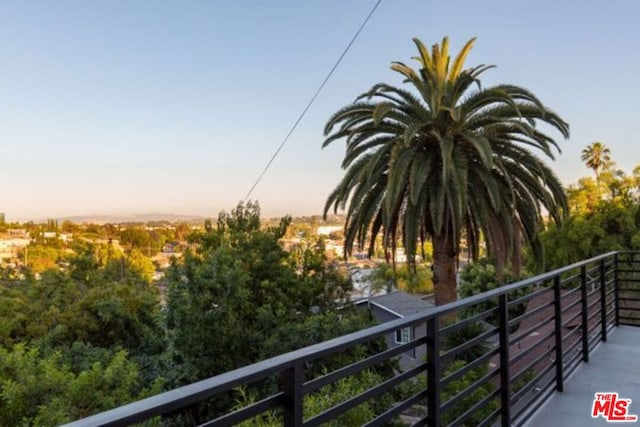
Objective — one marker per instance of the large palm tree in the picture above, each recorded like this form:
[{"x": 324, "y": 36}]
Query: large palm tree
[
  {"x": 442, "y": 156},
  {"x": 597, "y": 157}
]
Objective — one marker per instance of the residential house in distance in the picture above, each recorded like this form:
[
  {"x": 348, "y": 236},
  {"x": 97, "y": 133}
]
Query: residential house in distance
[
  {"x": 397, "y": 305},
  {"x": 11, "y": 246},
  {"x": 325, "y": 230}
]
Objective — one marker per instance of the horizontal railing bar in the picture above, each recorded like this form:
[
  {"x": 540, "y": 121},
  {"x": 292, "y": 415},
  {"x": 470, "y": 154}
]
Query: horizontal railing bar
[
  {"x": 424, "y": 421},
  {"x": 540, "y": 340},
  {"x": 592, "y": 303},
  {"x": 592, "y": 315},
  {"x": 572, "y": 318},
  {"x": 351, "y": 403},
  {"x": 577, "y": 357},
  {"x": 544, "y": 392},
  {"x": 183, "y": 396},
  {"x": 533, "y": 363},
  {"x": 530, "y": 313},
  {"x": 467, "y": 344},
  {"x": 494, "y": 293},
  {"x": 514, "y": 339},
  {"x": 469, "y": 366},
  {"x": 530, "y": 387},
  {"x": 573, "y": 365},
  {"x": 467, "y": 391},
  {"x": 396, "y": 409},
  {"x": 571, "y": 333},
  {"x": 527, "y": 387},
  {"x": 464, "y": 322},
  {"x": 630, "y": 317},
  {"x": 475, "y": 407},
  {"x": 490, "y": 418},
  {"x": 569, "y": 279},
  {"x": 609, "y": 313},
  {"x": 629, "y": 299},
  {"x": 570, "y": 306},
  {"x": 596, "y": 291},
  {"x": 570, "y": 292},
  {"x": 593, "y": 342},
  {"x": 573, "y": 346},
  {"x": 591, "y": 272},
  {"x": 594, "y": 332},
  {"x": 247, "y": 412},
  {"x": 530, "y": 296},
  {"x": 317, "y": 383}
]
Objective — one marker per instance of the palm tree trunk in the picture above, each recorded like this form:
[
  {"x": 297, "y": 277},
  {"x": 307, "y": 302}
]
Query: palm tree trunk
[{"x": 444, "y": 269}]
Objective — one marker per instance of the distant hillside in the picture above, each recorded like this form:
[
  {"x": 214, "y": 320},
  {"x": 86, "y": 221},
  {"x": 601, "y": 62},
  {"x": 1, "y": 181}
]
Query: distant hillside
[{"x": 114, "y": 219}]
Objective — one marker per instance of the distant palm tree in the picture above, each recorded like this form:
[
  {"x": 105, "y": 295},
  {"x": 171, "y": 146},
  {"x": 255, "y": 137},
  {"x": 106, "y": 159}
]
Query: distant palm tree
[
  {"x": 596, "y": 156},
  {"x": 443, "y": 157}
]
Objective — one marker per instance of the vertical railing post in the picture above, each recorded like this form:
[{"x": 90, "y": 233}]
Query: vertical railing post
[
  {"x": 505, "y": 371},
  {"x": 433, "y": 372},
  {"x": 557, "y": 306},
  {"x": 603, "y": 301},
  {"x": 616, "y": 265},
  {"x": 292, "y": 379},
  {"x": 585, "y": 315}
]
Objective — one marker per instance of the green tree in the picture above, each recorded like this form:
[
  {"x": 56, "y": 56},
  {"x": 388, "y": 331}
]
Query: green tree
[
  {"x": 241, "y": 298},
  {"x": 597, "y": 157},
  {"x": 40, "y": 389},
  {"x": 445, "y": 158}
]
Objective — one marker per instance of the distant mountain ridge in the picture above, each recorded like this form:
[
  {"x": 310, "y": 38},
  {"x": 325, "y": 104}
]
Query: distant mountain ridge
[{"x": 113, "y": 219}]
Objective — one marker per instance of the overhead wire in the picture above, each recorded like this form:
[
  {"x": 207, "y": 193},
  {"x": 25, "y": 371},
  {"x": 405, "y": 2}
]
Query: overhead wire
[{"x": 311, "y": 101}]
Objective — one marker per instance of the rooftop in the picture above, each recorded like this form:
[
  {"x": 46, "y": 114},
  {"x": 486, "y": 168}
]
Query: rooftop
[{"x": 401, "y": 303}]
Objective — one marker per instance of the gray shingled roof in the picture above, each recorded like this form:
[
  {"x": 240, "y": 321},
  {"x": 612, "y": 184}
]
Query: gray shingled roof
[{"x": 402, "y": 303}]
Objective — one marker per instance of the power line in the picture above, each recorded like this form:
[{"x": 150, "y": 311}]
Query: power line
[{"x": 313, "y": 98}]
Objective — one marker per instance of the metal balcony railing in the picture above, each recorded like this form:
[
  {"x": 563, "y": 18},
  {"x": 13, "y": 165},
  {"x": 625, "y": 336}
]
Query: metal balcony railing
[{"x": 529, "y": 336}]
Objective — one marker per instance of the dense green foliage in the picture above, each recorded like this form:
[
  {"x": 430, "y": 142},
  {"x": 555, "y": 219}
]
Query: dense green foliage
[
  {"x": 91, "y": 333},
  {"x": 226, "y": 301},
  {"x": 94, "y": 332},
  {"x": 604, "y": 215},
  {"x": 241, "y": 298},
  {"x": 47, "y": 389},
  {"x": 78, "y": 341}
]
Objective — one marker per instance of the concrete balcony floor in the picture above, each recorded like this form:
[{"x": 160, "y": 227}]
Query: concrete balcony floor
[{"x": 614, "y": 366}]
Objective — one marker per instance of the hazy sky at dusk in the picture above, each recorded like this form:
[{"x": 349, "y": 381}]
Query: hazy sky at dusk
[{"x": 164, "y": 106}]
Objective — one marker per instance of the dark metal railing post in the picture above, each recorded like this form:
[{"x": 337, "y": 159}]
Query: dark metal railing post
[
  {"x": 433, "y": 372},
  {"x": 603, "y": 301},
  {"x": 505, "y": 371},
  {"x": 293, "y": 379},
  {"x": 616, "y": 265},
  {"x": 557, "y": 305},
  {"x": 585, "y": 315}
]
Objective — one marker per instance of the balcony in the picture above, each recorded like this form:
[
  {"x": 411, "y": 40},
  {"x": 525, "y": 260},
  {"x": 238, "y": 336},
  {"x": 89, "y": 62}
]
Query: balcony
[
  {"x": 614, "y": 367},
  {"x": 546, "y": 340}
]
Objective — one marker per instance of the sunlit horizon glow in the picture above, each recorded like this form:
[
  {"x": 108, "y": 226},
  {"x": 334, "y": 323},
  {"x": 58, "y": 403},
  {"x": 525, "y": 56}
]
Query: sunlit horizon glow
[{"x": 119, "y": 107}]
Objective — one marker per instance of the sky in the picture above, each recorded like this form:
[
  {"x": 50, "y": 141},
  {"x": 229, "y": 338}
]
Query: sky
[{"x": 122, "y": 107}]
